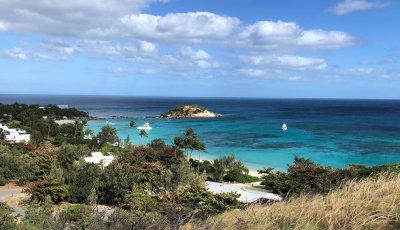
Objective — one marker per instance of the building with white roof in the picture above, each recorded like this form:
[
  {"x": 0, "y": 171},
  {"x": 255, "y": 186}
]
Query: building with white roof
[
  {"x": 99, "y": 158},
  {"x": 246, "y": 195},
  {"x": 15, "y": 135}
]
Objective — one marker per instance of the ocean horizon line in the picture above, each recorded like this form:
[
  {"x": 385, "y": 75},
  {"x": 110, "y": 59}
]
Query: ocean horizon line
[{"x": 205, "y": 97}]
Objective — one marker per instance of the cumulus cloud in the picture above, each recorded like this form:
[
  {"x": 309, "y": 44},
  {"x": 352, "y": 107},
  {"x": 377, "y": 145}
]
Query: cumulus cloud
[
  {"x": 205, "y": 27},
  {"x": 196, "y": 55},
  {"x": 348, "y": 6},
  {"x": 283, "y": 35},
  {"x": 17, "y": 53},
  {"x": 252, "y": 72},
  {"x": 58, "y": 46},
  {"x": 116, "y": 20},
  {"x": 74, "y": 18},
  {"x": 199, "y": 58},
  {"x": 285, "y": 61},
  {"x": 192, "y": 27},
  {"x": 118, "y": 30}
]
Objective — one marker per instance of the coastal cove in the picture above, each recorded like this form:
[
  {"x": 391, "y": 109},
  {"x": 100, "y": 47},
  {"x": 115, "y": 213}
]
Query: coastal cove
[{"x": 330, "y": 132}]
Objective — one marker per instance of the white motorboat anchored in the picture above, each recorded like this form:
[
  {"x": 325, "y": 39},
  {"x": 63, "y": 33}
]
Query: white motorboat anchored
[
  {"x": 110, "y": 123},
  {"x": 284, "y": 127},
  {"x": 145, "y": 126}
]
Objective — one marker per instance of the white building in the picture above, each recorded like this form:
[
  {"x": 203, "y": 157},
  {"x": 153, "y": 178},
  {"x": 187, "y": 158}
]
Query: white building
[
  {"x": 99, "y": 158},
  {"x": 15, "y": 135},
  {"x": 246, "y": 195},
  {"x": 62, "y": 106}
]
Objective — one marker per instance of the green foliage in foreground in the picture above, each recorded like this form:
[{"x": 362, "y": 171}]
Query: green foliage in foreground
[
  {"x": 7, "y": 220},
  {"x": 225, "y": 168},
  {"x": 307, "y": 176}
]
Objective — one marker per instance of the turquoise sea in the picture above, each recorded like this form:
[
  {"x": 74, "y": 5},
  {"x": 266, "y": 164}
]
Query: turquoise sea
[{"x": 330, "y": 132}]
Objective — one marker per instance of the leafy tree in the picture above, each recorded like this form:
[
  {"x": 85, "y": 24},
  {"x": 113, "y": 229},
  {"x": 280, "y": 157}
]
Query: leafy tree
[
  {"x": 183, "y": 176},
  {"x": 207, "y": 203},
  {"x": 13, "y": 164},
  {"x": 229, "y": 169},
  {"x": 48, "y": 187},
  {"x": 39, "y": 215},
  {"x": 44, "y": 159},
  {"x": 115, "y": 182},
  {"x": 302, "y": 176},
  {"x": 80, "y": 190},
  {"x": 107, "y": 134},
  {"x": 7, "y": 219},
  {"x": 157, "y": 144},
  {"x": 67, "y": 157},
  {"x": 36, "y": 138}
]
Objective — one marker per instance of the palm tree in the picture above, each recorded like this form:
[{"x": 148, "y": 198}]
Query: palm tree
[
  {"x": 132, "y": 124},
  {"x": 191, "y": 142},
  {"x": 143, "y": 133},
  {"x": 178, "y": 144},
  {"x": 200, "y": 147}
]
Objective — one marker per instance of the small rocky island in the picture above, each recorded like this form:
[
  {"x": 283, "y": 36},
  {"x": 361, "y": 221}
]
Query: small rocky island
[{"x": 189, "y": 111}]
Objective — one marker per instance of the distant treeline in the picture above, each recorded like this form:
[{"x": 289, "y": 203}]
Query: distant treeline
[{"x": 21, "y": 112}]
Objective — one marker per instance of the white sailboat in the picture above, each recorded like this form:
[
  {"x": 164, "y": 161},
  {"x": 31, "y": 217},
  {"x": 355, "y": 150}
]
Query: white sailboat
[
  {"x": 110, "y": 123},
  {"x": 284, "y": 127}
]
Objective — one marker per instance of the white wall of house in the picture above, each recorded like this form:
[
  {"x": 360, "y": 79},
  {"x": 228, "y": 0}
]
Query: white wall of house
[
  {"x": 15, "y": 135},
  {"x": 99, "y": 158}
]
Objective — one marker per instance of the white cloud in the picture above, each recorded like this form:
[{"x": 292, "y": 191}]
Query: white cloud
[
  {"x": 147, "y": 47},
  {"x": 74, "y": 18},
  {"x": 253, "y": 72},
  {"x": 205, "y": 27},
  {"x": 285, "y": 62},
  {"x": 294, "y": 78},
  {"x": 195, "y": 55},
  {"x": 58, "y": 46},
  {"x": 288, "y": 35},
  {"x": 16, "y": 53},
  {"x": 113, "y": 70},
  {"x": 348, "y": 6},
  {"x": 3, "y": 26},
  {"x": 122, "y": 20},
  {"x": 192, "y": 27},
  {"x": 283, "y": 67},
  {"x": 199, "y": 58},
  {"x": 148, "y": 71}
]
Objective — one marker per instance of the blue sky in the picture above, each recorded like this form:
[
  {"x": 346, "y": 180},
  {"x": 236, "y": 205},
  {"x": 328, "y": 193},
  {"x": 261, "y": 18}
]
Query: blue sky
[{"x": 208, "y": 48}]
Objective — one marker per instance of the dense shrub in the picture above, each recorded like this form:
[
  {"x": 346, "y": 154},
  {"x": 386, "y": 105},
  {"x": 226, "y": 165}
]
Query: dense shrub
[
  {"x": 7, "y": 220},
  {"x": 48, "y": 186},
  {"x": 307, "y": 176}
]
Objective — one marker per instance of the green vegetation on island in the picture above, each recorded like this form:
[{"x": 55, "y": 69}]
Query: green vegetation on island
[{"x": 190, "y": 111}]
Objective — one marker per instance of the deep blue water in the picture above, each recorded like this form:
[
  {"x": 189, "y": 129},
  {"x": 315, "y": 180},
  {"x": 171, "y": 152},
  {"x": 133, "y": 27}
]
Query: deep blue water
[{"x": 331, "y": 132}]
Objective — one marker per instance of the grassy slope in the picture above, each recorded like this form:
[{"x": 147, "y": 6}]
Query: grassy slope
[{"x": 370, "y": 204}]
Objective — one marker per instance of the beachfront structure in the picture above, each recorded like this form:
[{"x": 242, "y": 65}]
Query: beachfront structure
[
  {"x": 64, "y": 122},
  {"x": 99, "y": 158},
  {"x": 62, "y": 106},
  {"x": 246, "y": 195},
  {"x": 15, "y": 135}
]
